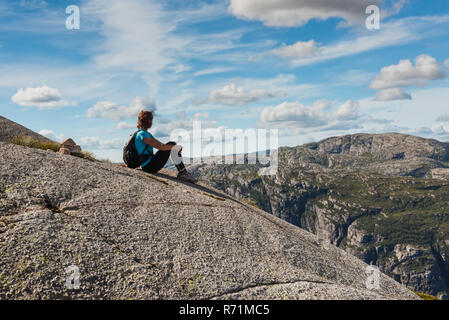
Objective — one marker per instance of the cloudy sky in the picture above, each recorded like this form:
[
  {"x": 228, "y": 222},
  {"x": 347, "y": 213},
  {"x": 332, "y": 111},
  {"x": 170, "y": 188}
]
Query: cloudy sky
[{"x": 310, "y": 68}]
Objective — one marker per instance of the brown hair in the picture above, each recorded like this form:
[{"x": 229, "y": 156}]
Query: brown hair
[{"x": 145, "y": 120}]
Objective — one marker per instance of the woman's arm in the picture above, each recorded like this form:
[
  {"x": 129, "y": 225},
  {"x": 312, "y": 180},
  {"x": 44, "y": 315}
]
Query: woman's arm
[{"x": 157, "y": 144}]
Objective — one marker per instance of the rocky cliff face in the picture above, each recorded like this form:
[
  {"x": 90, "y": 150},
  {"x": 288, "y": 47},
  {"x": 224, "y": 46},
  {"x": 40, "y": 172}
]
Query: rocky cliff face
[
  {"x": 383, "y": 198},
  {"x": 127, "y": 234}
]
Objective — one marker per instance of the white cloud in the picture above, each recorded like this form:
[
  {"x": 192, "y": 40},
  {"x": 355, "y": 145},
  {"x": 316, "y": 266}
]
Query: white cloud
[
  {"x": 394, "y": 33},
  {"x": 293, "y": 13},
  {"x": 198, "y": 12},
  {"x": 232, "y": 95},
  {"x": 443, "y": 118},
  {"x": 135, "y": 39},
  {"x": 125, "y": 125},
  {"x": 96, "y": 143},
  {"x": 30, "y": 17},
  {"x": 284, "y": 85},
  {"x": 301, "y": 50},
  {"x": 137, "y": 36},
  {"x": 348, "y": 111},
  {"x": 40, "y": 97},
  {"x": 179, "y": 68},
  {"x": 77, "y": 81},
  {"x": 183, "y": 123},
  {"x": 392, "y": 94},
  {"x": 32, "y": 4},
  {"x": 306, "y": 53},
  {"x": 446, "y": 63},
  {"x": 318, "y": 117},
  {"x": 147, "y": 38},
  {"x": 295, "y": 111},
  {"x": 278, "y": 87},
  {"x": 440, "y": 130},
  {"x": 353, "y": 78},
  {"x": 405, "y": 74},
  {"x": 392, "y": 79},
  {"x": 206, "y": 44},
  {"x": 111, "y": 110},
  {"x": 212, "y": 71},
  {"x": 427, "y": 105},
  {"x": 51, "y": 135}
]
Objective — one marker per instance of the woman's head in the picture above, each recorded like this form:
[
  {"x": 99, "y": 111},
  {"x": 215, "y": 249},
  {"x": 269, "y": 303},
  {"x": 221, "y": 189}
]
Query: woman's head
[{"x": 145, "y": 120}]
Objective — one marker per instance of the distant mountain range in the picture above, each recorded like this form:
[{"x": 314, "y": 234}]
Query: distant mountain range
[{"x": 383, "y": 198}]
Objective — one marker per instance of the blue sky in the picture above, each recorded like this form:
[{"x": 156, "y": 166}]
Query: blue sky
[{"x": 310, "y": 68}]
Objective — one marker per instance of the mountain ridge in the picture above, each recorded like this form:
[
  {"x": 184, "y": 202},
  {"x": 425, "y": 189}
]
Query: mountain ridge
[
  {"x": 381, "y": 197},
  {"x": 358, "y": 144}
]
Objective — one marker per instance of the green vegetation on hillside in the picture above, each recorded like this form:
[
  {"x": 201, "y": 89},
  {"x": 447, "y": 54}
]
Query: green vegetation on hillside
[
  {"x": 33, "y": 143},
  {"x": 425, "y": 296}
]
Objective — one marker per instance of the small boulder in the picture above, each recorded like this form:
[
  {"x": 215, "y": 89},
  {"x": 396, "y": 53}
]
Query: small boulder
[
  {"x": 76, "y": 149},
  {"x": 68, "y": 143},
  {"x": 69, "y": 146},
  {"x": 63, "y": 150}
]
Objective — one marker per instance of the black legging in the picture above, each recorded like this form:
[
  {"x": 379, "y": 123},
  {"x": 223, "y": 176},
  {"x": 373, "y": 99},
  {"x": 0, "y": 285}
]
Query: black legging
[{"x": 159, "y": 159}]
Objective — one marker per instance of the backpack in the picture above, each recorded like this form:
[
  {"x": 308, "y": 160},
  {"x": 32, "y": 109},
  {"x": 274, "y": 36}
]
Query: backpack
[{"x": 130, "y": 155}]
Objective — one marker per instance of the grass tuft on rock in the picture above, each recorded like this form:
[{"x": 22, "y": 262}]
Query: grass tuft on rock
[
  {"x": 33, "y": 143},
  {"x": 54, "y": 146},
  {"x": 425, "y": 296},
  {"x": 85, "y": 155}
]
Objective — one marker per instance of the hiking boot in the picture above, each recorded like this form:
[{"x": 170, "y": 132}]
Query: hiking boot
[{"x": 186, "y": 176}]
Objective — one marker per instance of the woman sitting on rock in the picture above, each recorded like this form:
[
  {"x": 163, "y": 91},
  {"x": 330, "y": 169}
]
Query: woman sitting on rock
[{"x": 145, "y": 143}]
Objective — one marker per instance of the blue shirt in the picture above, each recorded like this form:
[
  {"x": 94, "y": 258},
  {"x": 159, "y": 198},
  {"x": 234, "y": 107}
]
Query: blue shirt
[{"x": 140, "y": 145}]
